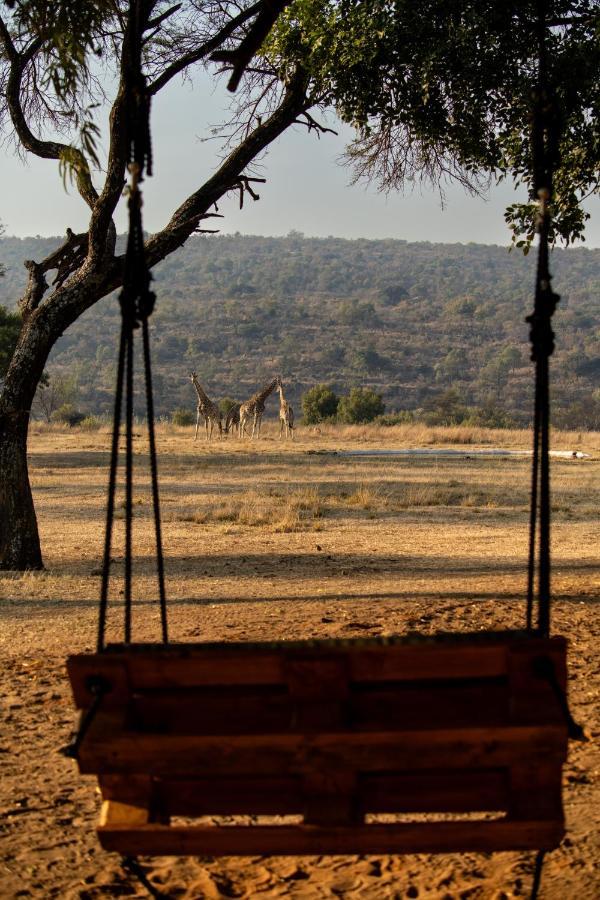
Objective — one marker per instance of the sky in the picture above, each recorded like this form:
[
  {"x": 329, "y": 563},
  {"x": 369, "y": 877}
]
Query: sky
[{"x": 307, "y": 189}]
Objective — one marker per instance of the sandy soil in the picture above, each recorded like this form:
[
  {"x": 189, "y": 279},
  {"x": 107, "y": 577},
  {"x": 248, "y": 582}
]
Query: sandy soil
[{"x": 270, "y": 541}]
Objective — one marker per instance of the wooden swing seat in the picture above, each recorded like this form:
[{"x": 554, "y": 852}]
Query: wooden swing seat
[{"x": 338, "y": 734}]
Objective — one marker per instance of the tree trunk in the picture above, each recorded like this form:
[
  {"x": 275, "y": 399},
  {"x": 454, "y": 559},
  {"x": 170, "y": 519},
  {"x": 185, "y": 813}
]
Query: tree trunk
[{"x": 19, "y": 538}]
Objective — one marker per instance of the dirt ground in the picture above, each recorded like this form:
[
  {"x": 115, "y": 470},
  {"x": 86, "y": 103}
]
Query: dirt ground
[{"x": 285, "y": 540}]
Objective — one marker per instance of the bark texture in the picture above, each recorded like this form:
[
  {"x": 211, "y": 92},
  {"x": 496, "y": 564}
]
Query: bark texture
[{"x": 19, "y": 538}]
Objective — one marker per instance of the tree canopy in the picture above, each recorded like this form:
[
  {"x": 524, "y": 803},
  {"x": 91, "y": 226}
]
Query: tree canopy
[{"x": 443, "y": 89}]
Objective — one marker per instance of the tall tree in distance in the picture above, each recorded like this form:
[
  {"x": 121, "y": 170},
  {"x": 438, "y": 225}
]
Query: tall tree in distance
[{"x": 48, "y": 92}]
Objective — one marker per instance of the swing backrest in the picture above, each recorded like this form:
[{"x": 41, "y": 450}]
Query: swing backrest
[{"x": 375, "y": 746}]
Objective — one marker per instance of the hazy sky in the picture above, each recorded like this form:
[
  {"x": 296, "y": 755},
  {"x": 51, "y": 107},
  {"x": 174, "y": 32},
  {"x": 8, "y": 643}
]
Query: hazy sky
[{"x": 307, "y": 189}]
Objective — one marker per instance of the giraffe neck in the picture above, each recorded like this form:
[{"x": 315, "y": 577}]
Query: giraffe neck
[
  {"x": 202, "y": 396},
  {"x": 262, "y": 395}
]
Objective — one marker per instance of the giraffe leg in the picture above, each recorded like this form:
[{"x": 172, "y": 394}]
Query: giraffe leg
[{"x": 197, "y": 423}]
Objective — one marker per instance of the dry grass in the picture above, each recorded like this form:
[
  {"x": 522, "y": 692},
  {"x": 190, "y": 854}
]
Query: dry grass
[
  {"x": 351, "y": 436},
  {"x": 277, "y": 511},
  {"x": 385, "y": 524}
]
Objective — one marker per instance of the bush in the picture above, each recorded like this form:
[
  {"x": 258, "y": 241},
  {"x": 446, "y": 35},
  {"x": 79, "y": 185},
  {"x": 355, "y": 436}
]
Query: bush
[
  {"x": 491, "y": 416},
  {"x": 182, "y": 416},
  {"x": 226, "y": 404},
  {"x": 404, "y": 417},
  {"x": 360, "y": 406},
  {"x": 67, "y": 414},
  {"x": 91, "y": 423},
  {"x": 319, "y": 404}
]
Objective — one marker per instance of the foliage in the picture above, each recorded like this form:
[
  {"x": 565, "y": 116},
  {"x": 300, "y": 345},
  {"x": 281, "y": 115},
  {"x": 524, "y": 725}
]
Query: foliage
[
  {"x": 10, "y": 326},
  {"x": 490, "y": 416},
  {"x": 442, "y": 89},
  {"x": 181, "y": 416},
  {"x": 361, "y": 405},
  {"x": 319, "y": 404},
  {"x": 226, "y": 404},
  {"x": 446, "y": 408},
  {"x": 388, "y": 420},
  {"x": 91, "y": 423},
  {"x": 462, "y": 318},
  {"x": 55, "y": 397},
  {"x": 67, "y": 414}
]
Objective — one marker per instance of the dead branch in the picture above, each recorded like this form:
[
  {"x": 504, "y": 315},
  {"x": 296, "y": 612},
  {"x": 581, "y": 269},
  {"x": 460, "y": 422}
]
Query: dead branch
[
  {"x": 243, "y": 184},
  {"x": 312, "y": 125},
  {"x": 66, "y": 259}
]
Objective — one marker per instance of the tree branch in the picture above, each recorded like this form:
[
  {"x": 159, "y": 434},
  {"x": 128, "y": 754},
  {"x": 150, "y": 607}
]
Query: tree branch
[
  {"x": 312, "y": 125},
  {"x": 67, "y": 259},
  {"x": 230, "y": 174},
  {"x": 43, "y": 149},
  {"x": 241, "y": 56},
  {"x": 204, "y": 50}
]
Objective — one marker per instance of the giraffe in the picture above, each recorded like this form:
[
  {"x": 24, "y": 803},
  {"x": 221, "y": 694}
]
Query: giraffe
[
  {"x": 254, "y": 409},
  {"x": 286, "y": 413},
  {"x": 209, "y": 411},
  {"x": 232, "y": 420}
]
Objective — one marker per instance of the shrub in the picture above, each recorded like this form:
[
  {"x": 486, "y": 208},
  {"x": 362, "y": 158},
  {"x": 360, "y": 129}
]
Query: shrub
[
  {"x": 226, "y": 404},
  {"x": 91, "y": 423},
  {"x": 491, "y": 416},
  {"x": 182, "y": 416},
  {"x": 360, "y": 406},
  {"x": 67, "y": 414},
  {"x": 404, "y": 417},
  {"x": 319, "y": 404}
]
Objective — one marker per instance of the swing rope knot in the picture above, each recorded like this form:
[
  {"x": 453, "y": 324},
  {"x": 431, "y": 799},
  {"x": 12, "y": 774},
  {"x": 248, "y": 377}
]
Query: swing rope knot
[{"x": 541, "y": 335}]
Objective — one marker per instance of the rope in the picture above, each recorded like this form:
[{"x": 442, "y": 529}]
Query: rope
[
  {"x": 110, "y": 504},
  {"x": 160, "y": 567},
  {"x": 131, "y": 865},
  {"x": 97, "y": 687},
  {"x": 545, "y": 148},
  {"x": 544, "y": 667},
  {"x": 537, "y": 874},
  {"x": 137, "y": 303}
]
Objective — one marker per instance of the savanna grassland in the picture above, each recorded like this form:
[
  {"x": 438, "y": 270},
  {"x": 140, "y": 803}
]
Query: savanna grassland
[{"x": 289, "y": 539}]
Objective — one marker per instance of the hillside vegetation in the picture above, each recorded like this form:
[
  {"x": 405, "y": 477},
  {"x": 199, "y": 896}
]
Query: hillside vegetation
[{"x": 435, "y": 328}]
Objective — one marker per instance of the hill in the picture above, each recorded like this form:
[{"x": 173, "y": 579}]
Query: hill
[{"x": 433, "y": 327}]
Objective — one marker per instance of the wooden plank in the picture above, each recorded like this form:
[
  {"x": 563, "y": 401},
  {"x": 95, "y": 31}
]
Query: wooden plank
[
  {"x": 536, "y": 790},
  {"x": 423, "y": 837},
  {"x": 430, "y": 705},
  {"x": 111, "y": 671},
  {"x": 191, "y": 665},
  {"x": 109, "y": 749},
  {"x": 206, "y": 711},
  {"x": 528, "y": 689},
  {"x": 329, "y": 798},
  {"x": 449, "y": 791},
  {"x": 437, "y": 791},
  {"x": 135, "y": 790},
  {"x": 122, "y": 815},
  {"x": 267, "y": 709}
]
